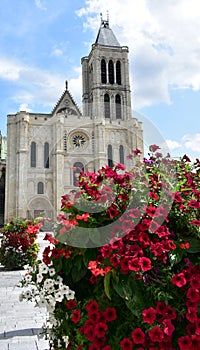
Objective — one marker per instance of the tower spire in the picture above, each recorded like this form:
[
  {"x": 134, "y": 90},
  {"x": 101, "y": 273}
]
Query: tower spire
[{"x": 104, "y": 22}]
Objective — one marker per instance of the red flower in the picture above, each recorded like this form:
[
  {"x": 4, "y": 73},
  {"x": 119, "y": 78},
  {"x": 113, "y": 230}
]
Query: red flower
[
  {"x": 193, "y": 294},
  {"x": 168, "y": 327},
  {"x": 185, "y": 245},
  {"x": 94, "y": 347},
  {"x": 71, "y": 304},
  {"x": 83, "y": 217},
  {"x": 138, "y": 336},
  {"x": 120, "y": 166},
  {"x": 195, "y": 342},
  {"x": 112, "y": 211},
  {"x": 191, "y": 315},
  {"x": 100, "y": 329},
  {"x": 149, "y": 315},
  {"x": 185, "y": 342},
  {"x": 179, "y": 280},
  {"x": 145, "y": 264},
  {"x": 133, "y": 264},
  {"x": 194, "y": 204},
  {"x": 153, "y": 148},
  {"x": 195, "y": 222},
  {"x": 156, "y": 334},
  {"x": 110, "y": 314},
  {"x": 126, "y": 344},
  {"x": 136, "y": 152},
  {"x": 76, "y": 315},
  {"x": 92, "y": 306}
]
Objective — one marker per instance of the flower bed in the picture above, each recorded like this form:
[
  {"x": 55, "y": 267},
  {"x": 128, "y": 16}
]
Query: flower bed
[
  {"x": 18, "y": 243},
  {"x": 123, "y": 269}
]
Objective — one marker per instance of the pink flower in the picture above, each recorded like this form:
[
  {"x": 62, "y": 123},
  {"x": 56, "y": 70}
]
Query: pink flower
[{"x": 179, "y": 280}]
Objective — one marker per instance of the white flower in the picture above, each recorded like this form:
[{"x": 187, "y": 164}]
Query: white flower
[
  {"x": 39, "y": 278},
  {"x": 28, "y": 278},
  {"x": 52, "y": 272},
  {"x": 70, "y": 294},
  {"x": 43, "y": 268},
  {"x": 66, "y": 340},
  {"x": 48, "y": 283},
  {"x": 28, "y": 268},
  {"x": 42, "y": 294},
  {"x": 51, "y": 300},
  {"x": 27, "y": 294},
  {"x": 64, "y": 289},
  {"x": 42, "y": 303},
  {"x": 58, "y": 296},
  {"x": 58, "y": 280}
]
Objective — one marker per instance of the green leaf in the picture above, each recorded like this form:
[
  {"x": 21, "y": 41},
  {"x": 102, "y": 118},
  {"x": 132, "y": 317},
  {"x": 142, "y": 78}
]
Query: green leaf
[
  {"x": 78, "y": 259},
  {"x": 90, "y": 254},
  {"x": 176, "y": 256},
  {"x": 77, "y": 275},
  {"x": 194, "y": 246},
  {"x": 107, "y": 284}
]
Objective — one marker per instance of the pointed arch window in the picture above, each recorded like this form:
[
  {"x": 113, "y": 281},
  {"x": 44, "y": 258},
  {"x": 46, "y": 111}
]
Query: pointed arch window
[
  {"x": 111, "y": 72},
  {"x": 118, "y": 106},
  {"x": 103, "y": 72},
  {"x": 40, "y": 188},
  {"x": 121, "y": 154},
  {"x": 77, "y": 168},
  {"x": 46, "y": 155},
  {"x": 33, "y": 154},
  {"x": 110, "y": 156},
  {"x": 118, "y": 73},
  {"x": 107, "y": 106}
]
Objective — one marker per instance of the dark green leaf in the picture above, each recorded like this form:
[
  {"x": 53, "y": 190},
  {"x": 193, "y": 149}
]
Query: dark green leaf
[{"x": 107, "y": 284}]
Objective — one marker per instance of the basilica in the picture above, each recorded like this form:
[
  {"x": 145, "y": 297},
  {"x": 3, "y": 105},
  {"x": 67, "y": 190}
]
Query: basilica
[{"x": 46, "y": 152}]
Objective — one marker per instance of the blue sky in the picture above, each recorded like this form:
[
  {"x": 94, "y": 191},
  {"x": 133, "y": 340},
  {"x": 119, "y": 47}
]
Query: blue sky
[{"x": 42, "y": 42}]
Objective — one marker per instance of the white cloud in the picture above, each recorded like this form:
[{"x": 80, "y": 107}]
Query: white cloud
[
  {"x": 164, "y": 42},
  {"x": 172, "y": 144},
  {"x": 24, "y": 107},
  {"x": 192, "y": 142},
  {"x": 57, "y": 52},
  {"x": 40, "y": 5},
  {"x": 36, "y": 87}
]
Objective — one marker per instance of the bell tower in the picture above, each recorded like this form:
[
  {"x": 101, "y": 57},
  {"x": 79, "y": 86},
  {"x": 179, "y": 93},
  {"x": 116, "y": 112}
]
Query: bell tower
[{"x": 105, "y": 76}]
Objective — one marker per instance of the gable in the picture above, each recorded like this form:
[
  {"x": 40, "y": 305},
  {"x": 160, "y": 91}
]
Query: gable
[{"x": 66, "y": 105}]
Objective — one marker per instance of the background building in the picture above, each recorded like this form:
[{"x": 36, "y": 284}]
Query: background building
[
  {"x": 2, "y": 177},
  {"x": 46, "y": 152}
]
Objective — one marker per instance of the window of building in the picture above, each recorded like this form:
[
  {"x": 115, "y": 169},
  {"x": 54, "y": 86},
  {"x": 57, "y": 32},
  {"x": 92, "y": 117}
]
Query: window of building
[
  {"x": 121, "y": 154},
  {"x": 118, "y": 106},
  {"x": 107, "y": 106},
  {"x": 65, "y": 141},
  {"x": 118, "y": 72},
  {"x": 40, "y": 188},
  {"x": 77, "y": 168},
  {"x": 110, "y": 156},
  {"x": 46, "y": 155},
  {"x": 103, "y": 72},
  {"x": 111, "y": 72},
  {"x": 33, "y": 154}
]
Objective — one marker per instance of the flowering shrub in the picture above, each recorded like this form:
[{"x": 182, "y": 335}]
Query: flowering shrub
[
  {"x": 18, "y": 243},
  {"x": 122, "y": 270}
]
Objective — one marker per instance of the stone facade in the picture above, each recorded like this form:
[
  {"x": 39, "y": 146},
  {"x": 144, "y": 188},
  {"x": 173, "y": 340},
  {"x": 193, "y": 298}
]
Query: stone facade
[
  {"x": 45, "y": 152},
  {"x": 2, "y": 179}
]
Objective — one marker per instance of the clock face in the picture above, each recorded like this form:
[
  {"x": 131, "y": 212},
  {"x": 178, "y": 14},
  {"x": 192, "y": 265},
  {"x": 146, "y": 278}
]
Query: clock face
[{"x": 78, "y": 140}]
